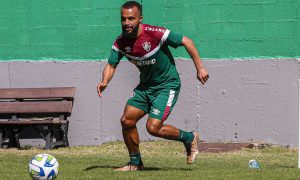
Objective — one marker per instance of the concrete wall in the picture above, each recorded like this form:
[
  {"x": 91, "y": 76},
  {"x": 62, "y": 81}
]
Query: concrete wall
[{"x": 244, "y": 100}]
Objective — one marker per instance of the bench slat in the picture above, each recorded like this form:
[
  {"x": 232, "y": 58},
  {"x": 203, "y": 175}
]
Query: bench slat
[
  {"x": 36, "y": 107},
  {"x": 35, "y": 93}
]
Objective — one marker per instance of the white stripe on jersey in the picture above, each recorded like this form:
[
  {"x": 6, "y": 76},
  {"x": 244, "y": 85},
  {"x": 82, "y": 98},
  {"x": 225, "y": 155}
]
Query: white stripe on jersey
[
  {"x": 171, "y": 97},
  {"x": 115, "y": 48}
]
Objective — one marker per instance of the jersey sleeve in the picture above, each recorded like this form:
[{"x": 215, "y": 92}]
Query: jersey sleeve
[
  {"x": 174, "y": 39},
  {"x": 114, "y": 57}
]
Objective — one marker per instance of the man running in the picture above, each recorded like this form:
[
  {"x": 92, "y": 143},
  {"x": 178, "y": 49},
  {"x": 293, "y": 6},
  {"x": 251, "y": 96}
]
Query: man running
[{"x": 147, "y": 47}]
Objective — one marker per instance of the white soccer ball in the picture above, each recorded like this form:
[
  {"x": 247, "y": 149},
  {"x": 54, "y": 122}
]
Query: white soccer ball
[{"x": 43, "y": 167}]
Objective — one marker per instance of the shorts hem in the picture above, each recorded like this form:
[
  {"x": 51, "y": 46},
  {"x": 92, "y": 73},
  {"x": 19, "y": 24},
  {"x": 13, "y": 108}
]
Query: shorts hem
[
  {"x": 133, "y": 105},
  {"x": 155, "y": 117}
]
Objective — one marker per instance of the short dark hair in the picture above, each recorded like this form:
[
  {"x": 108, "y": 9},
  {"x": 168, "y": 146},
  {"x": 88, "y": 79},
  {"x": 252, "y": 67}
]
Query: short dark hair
[{"x": 130, "y": 4}]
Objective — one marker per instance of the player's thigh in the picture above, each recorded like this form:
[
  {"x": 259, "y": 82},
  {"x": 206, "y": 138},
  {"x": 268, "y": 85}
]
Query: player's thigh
[
  {"x": 163, "y": 103},
  {"x": 132, "y": 113},
  {"x": 139, "y": 99},
  {"x": 137, "y": 106}
]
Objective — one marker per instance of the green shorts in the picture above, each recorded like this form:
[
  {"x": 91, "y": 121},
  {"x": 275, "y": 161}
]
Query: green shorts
[{"x": 157, "y": 102}]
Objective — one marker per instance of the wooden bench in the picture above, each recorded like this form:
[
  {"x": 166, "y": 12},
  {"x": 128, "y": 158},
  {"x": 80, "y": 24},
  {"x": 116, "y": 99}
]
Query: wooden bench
[{"x": 44, "y": 109}]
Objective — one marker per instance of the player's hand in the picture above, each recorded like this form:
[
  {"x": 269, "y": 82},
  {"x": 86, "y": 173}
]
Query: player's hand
[
  {"x": 202, "y": 75},
  {"x": 100, "y": 88}
]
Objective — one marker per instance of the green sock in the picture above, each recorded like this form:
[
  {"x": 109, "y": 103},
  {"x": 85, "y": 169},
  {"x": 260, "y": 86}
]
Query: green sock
[
  {"x": 136, "y": 159},
  {"x": 185, "y": 137}
]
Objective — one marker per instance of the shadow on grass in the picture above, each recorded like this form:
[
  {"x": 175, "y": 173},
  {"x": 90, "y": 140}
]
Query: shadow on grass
[{"x": 146, "y": 168}]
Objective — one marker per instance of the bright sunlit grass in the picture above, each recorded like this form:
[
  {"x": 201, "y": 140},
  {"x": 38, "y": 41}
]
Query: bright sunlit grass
[{"x": 162, "y": 159}]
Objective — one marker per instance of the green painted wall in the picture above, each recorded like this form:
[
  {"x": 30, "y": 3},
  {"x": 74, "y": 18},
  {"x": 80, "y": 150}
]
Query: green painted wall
[{"x": 85, "y": 29}]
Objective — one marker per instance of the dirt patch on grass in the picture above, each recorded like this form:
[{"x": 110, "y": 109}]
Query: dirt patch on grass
[{"x": 223, "y": 147}]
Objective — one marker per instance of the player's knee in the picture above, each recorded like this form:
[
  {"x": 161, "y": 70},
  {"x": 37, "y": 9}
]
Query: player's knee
[
  {"x": 126, "y": 123},
  {"x": 153, "y": 130}
]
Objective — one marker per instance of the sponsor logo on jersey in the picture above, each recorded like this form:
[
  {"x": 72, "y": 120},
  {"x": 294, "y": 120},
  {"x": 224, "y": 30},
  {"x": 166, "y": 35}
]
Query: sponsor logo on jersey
[
  {"x": 143, "y": 63},
  {"x": 155, "y": 29},
  {"x": 147, "y": 46},
  {"x": 156, "y": 111},
  {"x": 127, "y": 49}
]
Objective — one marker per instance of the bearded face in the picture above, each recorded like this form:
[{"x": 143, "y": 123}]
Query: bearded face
[{"x": 130, "y": 20}]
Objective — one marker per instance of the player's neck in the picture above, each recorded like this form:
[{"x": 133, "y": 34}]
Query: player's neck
[{"x": 140, "y": 30}]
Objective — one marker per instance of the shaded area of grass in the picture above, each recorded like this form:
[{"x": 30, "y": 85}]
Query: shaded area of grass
[{"x": 163, "y": 160}]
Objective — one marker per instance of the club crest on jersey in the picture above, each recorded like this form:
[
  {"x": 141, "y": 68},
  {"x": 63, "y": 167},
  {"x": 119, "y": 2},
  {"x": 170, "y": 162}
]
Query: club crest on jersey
[
  {"x": 147, "y": 46},
  {"x": 127, "y": 49}
]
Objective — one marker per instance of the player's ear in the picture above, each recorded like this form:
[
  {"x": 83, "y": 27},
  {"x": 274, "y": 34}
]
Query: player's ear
[{"x": 141, "y": 19}]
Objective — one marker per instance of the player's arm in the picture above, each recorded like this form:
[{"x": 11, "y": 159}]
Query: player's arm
[
  {"x": 107, "y": 75},
  {"x": 109, "y": 69},
  {"x": 190, "y": 47}
]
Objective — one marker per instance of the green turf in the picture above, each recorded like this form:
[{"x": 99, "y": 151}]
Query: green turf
[{"x": 163, "y": 160}]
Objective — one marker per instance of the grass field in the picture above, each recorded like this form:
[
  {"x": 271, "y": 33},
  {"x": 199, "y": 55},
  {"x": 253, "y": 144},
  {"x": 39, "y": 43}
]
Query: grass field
[{"x": 162, "y": 159}]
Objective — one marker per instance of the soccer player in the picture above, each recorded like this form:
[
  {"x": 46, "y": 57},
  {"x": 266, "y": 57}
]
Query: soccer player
[{"x": 147, "y": 47}]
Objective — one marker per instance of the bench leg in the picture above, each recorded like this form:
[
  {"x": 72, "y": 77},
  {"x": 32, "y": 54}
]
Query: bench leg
[
  {"x": 12, "y": 141},
  {"x": 65, "y": 134},
  {"x": 1, "y": 138},
  {"x": 49, "y": 138},
  {"x": 17, "y": 140},
  {"x": 12, "y": 138}
]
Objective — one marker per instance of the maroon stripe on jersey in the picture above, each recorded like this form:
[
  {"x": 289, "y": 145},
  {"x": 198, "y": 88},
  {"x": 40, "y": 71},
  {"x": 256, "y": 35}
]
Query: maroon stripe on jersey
[{"x": 166, "y": 113}]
